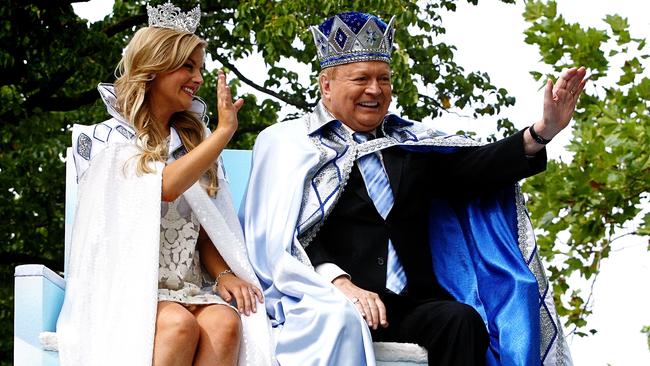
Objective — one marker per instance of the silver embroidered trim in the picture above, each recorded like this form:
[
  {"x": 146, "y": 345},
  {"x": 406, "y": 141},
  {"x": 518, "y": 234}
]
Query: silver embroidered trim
[
  {"x": 551, "y": 334},
  {"x": 124, "y": 132},
  {"x": 560, "y": 344},
  {"x": 382, "y": 143},
  {"x": 338, "y": 139},
  {"x": 298, "y": 252},
  {"x": 527, "y": 243},
  {"x": 311, "y": 225},
  {"x": 84, "y": 146}
]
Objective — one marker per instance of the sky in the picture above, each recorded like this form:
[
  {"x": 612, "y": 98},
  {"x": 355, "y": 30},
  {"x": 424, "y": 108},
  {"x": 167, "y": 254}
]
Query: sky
[{"x": 489, "y": 38}]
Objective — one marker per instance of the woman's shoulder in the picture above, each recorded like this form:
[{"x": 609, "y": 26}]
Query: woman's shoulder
[{"x": 90, "y": 140}]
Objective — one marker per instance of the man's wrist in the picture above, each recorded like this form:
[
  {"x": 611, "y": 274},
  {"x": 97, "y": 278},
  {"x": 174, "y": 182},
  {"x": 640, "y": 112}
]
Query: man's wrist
[
  {"x": 341, "y": 280},
  {"x": 538, "y": 137}
]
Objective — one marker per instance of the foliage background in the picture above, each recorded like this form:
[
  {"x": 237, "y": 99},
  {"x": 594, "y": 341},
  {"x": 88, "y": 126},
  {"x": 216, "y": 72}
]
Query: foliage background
[{"x": 51, "y": 61}]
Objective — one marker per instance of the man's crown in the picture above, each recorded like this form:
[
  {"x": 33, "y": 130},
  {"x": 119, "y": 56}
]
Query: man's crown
[
  {"x": 353, "y": 37},
  {"x": 169, "y": 16}
]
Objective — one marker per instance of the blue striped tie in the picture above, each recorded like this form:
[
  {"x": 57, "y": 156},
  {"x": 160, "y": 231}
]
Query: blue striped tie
[{"x": 379, "y": 191}]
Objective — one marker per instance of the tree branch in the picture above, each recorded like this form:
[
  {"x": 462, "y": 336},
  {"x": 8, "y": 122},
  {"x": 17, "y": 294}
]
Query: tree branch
[
  {"x": 295, "y": 102},
  {"x": 64, "y": 104},
  {"x": 437, "y": 104},
  {"x": 622, "y": 236},
  {"x": 124, "y": 24}
]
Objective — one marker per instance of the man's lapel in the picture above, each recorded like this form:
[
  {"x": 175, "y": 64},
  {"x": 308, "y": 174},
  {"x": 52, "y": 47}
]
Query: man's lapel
[{"x": 393, "y": 163}]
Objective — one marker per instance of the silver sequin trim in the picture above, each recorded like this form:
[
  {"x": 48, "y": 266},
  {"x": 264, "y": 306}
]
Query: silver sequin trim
[
  {"x": 551, "y": 337},
  {"x": 84, "y": 145},
  {"x": 124, "y": 132},
  {"x": 326, "y": 178}
]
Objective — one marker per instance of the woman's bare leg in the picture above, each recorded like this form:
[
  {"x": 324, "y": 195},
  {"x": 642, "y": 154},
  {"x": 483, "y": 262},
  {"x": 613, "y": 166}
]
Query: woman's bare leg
[
  {"x": 177, "y": 335},
  {"x": 220, "y": 329}
]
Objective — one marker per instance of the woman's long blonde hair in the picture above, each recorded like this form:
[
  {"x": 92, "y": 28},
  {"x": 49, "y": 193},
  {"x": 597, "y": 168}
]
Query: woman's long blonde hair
[{"x": 152, "y": 51}]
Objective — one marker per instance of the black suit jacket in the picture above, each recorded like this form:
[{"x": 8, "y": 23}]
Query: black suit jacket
[{"x": 355, "y": 237}]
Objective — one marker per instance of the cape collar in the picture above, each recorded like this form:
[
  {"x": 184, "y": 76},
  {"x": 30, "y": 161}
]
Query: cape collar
[{"x": 107, "y": 93}]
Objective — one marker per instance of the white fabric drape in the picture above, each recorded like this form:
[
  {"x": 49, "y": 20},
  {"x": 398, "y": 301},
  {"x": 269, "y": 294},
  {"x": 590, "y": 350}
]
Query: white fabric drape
[{"x": 109, "y": 311}]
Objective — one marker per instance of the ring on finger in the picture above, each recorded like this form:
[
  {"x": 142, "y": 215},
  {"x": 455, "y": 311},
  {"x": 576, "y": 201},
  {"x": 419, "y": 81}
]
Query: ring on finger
[{"x": 355, "y": 300}]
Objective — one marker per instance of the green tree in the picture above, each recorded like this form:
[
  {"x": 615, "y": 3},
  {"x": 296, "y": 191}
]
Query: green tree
[
  {"x": 598, "y": 197},
  {"x": 51, "y": 61}
]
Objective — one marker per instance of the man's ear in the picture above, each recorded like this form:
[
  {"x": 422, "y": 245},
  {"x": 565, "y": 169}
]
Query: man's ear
[{"x": 325, "y": 89}]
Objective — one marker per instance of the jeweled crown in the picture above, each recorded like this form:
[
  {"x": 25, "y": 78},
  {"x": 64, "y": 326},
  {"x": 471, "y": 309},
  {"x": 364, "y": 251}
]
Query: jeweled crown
[
  {"x": 353, "y": 37},
  {"x": 168, "y": 15}
]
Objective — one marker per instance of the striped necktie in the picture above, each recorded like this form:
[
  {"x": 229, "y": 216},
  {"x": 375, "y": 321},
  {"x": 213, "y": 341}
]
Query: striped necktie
[{"x": 381, "y": 194}]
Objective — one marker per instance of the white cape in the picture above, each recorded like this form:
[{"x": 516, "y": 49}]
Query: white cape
[
  {"x": 109, "y": 312},
  {"x": 315, "y": 323}
]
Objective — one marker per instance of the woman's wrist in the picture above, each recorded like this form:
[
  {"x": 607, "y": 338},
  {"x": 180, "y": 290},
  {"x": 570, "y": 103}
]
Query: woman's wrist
[
  {"x": 219, "y": 276},
  {"x": 225, "y": 132}
]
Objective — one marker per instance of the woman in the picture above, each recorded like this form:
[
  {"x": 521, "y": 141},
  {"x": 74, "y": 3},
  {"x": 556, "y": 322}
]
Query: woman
[{"x": 157, "y": 259}]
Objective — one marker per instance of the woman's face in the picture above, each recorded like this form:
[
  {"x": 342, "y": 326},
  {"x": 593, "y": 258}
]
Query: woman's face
[{"x": 172, "y": 92}]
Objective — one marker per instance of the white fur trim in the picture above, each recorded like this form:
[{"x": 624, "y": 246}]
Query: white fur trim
[
  {"x": 404, "y": 352},
  {"x": 49, "y": 341}
]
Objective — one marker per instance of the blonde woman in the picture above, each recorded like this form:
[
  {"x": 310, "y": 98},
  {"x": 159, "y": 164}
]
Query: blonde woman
[{"x": 158, "y": 273}]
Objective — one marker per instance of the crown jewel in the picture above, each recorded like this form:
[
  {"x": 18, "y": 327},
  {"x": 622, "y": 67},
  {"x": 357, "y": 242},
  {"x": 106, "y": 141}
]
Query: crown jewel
[
  {"x": 169, "y": 16},
  {"x": 353, "y": 37}
]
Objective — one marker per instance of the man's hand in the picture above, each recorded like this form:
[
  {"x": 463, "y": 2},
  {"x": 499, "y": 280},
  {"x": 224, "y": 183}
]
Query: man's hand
[
  {"x": 368, "y": 303},
  {"x": 560, "y": 101}
]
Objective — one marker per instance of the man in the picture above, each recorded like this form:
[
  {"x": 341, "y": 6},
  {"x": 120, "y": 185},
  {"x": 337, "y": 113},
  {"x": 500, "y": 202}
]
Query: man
[{"x": 422, "y": 236}]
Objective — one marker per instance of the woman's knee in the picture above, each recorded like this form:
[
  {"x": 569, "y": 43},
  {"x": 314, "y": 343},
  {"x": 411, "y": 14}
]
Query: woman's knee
[
  {"x": 221, "y": 320},
  {"x": 177, "y": 322},
  {"x": 230, "y": 323}
]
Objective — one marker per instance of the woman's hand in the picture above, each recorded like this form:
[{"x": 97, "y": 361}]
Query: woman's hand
[
  {"x": 182, "y": 173},
  {"x": 226, "y": 109},
  {"x": 245, "y": 294}
]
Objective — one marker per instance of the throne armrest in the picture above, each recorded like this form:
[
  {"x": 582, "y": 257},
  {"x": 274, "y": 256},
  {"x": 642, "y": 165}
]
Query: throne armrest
[{"x": 38, "y": 298}]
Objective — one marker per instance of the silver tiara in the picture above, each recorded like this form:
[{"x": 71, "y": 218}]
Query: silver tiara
[{"x": 169, "y": 16}]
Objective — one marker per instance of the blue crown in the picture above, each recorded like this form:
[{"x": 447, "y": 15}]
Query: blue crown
[{"x": 353, "y": 37}]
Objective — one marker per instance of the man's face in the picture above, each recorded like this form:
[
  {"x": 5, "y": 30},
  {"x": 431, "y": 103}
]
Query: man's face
[{"x": 357, "y": 94}]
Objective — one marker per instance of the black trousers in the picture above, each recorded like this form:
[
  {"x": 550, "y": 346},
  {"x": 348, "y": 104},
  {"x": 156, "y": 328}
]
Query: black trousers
[{"x": 453, "y": 333}]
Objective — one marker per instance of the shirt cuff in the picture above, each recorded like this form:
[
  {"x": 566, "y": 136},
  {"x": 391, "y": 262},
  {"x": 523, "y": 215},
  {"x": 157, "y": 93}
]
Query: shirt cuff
[{"x": 330, "y": 271}]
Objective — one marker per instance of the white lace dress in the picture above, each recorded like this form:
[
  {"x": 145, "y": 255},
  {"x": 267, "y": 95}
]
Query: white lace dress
[{"x": 181, "y": 277}]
